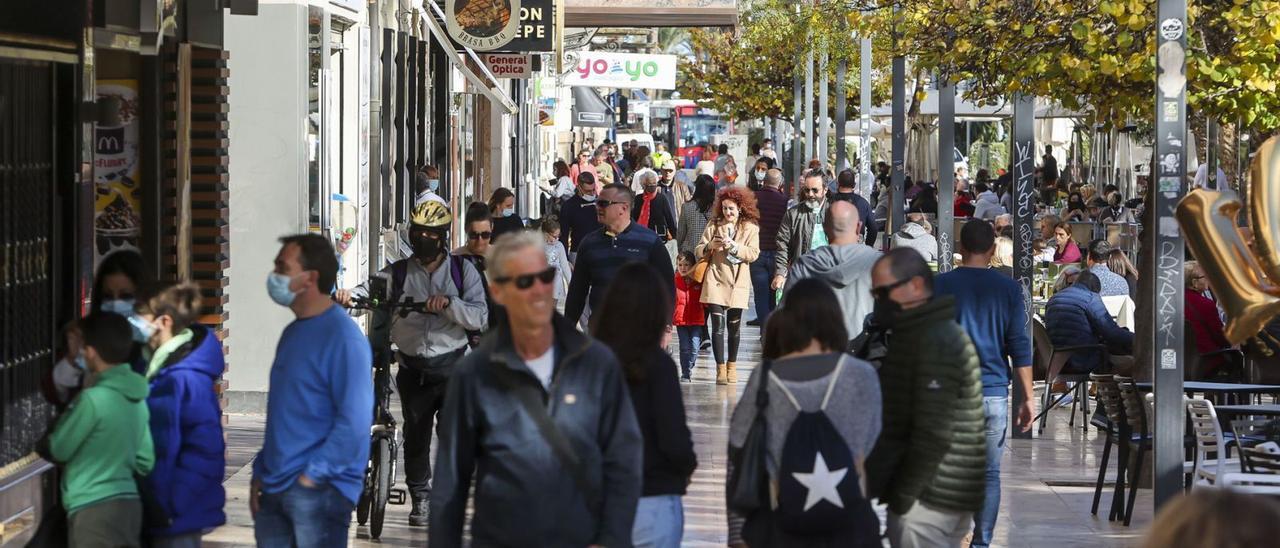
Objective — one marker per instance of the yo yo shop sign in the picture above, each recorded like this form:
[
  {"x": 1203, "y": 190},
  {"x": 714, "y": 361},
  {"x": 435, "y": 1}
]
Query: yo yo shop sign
[{"x": 624, "y": 70}]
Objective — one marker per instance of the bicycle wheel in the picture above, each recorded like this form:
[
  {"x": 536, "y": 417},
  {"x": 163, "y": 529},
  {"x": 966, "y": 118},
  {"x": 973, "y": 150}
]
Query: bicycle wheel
[{"x": 382, "y": 487}]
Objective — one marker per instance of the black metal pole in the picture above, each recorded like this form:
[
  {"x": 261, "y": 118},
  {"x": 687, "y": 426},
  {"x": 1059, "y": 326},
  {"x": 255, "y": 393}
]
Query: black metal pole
[
  {"x": 899, "y": 173},
  {"x": 1024, "y": 210},
  {"x": 1171, "y": 172},
  {"x": 946, "y": 174},
  {"x": 797, "y": 127}
]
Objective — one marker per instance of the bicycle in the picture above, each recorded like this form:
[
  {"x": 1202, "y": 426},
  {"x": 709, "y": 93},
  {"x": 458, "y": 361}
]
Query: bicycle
[{"x": 380, "y": 474}]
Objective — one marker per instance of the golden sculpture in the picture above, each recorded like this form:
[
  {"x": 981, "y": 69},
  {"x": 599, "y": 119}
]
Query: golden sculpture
[{"x": 1243, "y": 277}]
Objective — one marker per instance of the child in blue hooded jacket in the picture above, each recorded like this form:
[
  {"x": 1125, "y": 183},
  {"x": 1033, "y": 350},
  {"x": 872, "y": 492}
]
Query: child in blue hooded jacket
[{"x": 184, "y": 367}]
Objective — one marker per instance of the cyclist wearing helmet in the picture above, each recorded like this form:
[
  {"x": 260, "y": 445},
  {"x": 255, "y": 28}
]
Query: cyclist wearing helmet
[{"x": 429, "y": 343}]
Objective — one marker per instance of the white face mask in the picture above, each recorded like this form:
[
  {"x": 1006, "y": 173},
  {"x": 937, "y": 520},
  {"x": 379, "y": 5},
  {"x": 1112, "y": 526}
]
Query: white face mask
[{"x": 760, "y": 175}]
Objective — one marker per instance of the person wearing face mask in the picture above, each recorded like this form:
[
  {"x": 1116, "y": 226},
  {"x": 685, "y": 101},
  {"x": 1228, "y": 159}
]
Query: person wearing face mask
[
  {"x": 502, "y": 208},
  {"x": 757, "y": 175},
  {"x": 651, "y": 208},
  {"x": 429, "y": 343},
  {"x": 929, "y": 463},
  {"x": 310, "y": 471},
  {"x": 677, "y": 192},
  {"x": 847, "y": 189},
  {"x": 427, "y": 184},
  {"x": 578, "y": 216},
  {"x": 801, "y": 229},
  {"x": 186, "y": 422},
  {"x": 114, "y": 287}
]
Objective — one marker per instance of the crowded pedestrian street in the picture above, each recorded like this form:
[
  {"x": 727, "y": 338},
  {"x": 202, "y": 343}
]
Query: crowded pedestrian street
[
  {"x": 616, "y": 273},
  {"x": 1046, "y": 500}
]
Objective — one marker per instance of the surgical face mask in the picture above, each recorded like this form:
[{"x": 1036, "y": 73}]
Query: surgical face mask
[
  {"x": 760, "y": 175},
  {"x": 142, "y": 331},
  {"x": 80, "y": 363},
  {"x": 122, "y": 307},
  {"x": 433, "y": 185},
  {"x": 508, "y": 212},
  {"x": 278, "y": 289},
  {"x": 589, "y": 197}
]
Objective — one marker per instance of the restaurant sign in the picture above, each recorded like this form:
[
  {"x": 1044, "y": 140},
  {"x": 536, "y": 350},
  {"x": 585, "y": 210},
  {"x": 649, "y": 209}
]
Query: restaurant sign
[
  {"x": 537, "y": 27},
  {"x": 623, "y": 70},
  {"x": 483, "y": 25}
]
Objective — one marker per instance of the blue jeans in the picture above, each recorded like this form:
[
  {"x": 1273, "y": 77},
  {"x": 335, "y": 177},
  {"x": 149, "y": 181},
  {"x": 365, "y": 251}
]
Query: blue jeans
[
  {"x": 996, "y": 410},
  {"x": 303, "y": 518},
  {"x": 690, "y": 343},
  {"x": 659, "y": 522},
  {"x": 761, "y": 276}
]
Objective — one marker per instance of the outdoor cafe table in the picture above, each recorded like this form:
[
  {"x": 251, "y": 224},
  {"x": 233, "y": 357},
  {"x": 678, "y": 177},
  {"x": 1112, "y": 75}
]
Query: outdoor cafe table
[
  {"x": 1221, "y": 392},
  {"x": 1272, "y": 410}
]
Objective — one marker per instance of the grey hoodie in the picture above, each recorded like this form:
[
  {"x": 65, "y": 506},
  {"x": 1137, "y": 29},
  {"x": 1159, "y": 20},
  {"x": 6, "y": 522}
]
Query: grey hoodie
[
  {"x": 847, "y": 268},
  {"x": 915, "y": 237}
]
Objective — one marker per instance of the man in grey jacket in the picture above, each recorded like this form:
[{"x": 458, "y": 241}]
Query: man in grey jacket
[
  {"x": 801, "y": 229},
  {"x": 845, "y": 264},
  {"x": 539, "y": 415}
]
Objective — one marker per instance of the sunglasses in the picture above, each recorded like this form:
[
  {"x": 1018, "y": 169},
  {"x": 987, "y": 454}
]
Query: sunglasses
[
  {"x": 882, "y": 292},
  {"x": 604, "y": 204},
  {"x": 480, "y": 235},
  {"x": 525, "y": 281},
  {"x": 811, "y": 190}
]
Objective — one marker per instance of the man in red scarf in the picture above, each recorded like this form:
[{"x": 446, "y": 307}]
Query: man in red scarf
[{"x": 651, "y": 208}]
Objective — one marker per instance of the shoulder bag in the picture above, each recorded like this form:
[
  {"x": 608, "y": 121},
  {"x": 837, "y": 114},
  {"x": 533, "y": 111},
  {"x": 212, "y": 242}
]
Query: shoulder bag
[{"x": 747, "y": 489}]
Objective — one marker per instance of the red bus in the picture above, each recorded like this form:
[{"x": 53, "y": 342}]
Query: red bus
[{"x": 689, "y": 127}]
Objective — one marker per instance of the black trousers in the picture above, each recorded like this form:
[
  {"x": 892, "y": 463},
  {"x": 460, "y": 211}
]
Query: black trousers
[
  {"x": 422, "y": 383},
  {"x": 719, "y": 315}
]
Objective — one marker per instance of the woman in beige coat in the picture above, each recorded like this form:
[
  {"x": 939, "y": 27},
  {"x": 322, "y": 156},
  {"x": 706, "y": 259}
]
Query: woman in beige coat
[{"x": 730, "y": 242}]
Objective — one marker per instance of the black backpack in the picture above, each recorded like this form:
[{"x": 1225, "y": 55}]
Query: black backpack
[
  {"x": 818, "y": 488},
  {"x": 400, "y": 269}
]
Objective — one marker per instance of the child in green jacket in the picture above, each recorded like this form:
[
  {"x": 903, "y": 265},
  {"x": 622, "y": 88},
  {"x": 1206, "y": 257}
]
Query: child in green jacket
[{"x": 104, "y": 441}]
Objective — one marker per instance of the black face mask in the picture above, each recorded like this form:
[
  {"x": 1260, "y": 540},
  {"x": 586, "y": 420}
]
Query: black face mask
[
  {"x": 886, "y": 311},
  {"x": 426, "y": 247}
]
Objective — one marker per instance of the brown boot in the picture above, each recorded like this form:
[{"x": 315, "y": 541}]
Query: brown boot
[
  {"x": 721, "y": 375},
  {"x": 731, "y": 373}
]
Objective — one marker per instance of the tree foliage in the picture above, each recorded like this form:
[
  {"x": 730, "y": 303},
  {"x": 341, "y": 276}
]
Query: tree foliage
[
  {"x": 1098, "y": 55},
  {"x": 749, "y": 73}
]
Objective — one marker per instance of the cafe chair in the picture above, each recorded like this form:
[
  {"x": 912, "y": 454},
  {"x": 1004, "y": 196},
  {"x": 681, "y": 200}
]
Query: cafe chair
[
  {"x": 1054, "y": 360},
  {"x": 1209, "y": 441},
  {"x": 1262, "y": 467},
  {"x": 1256, "y": 441},
  {"x": 1119, "y": 434},
  {"x": 1194, "y": 359}
]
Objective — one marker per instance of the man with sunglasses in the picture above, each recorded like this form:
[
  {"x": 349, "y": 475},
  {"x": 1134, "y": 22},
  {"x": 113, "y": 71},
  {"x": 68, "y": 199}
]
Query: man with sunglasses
[
  {"x": 619, "y": 241},
  {"x": 540, "y": 416},
  {"x": 429, "y": 342},
  {"x": 929, "y": 464},
  {"x": 578, "y": 215},
  {"x": 801, "y": 229}
]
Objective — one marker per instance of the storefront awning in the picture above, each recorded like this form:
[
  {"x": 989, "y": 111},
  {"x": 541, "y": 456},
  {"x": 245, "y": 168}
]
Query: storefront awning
[
  {"x": 484, "y": 81},
  {"x": 589, "y": 110}
]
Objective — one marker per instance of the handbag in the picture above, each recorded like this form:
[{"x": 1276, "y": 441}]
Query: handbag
[
  {"x": 747, "y": 489},
  {"x": 700, "y": 269}
]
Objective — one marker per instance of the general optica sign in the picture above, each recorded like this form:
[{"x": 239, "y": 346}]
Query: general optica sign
[{"x": 623, "y": 70}]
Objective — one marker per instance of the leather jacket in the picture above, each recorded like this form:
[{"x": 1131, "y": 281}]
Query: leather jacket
[
  {"x": 795, "y": 234},
  {"x": 524, "y": 494}
]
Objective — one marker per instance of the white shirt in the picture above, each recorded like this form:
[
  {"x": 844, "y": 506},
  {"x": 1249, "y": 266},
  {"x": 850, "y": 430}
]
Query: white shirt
[
  {"x": 542, "y": 366},
  {"x": 428, "y": 196}
]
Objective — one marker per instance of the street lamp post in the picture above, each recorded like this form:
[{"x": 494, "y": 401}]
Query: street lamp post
[{"x": 1170, "y": 184}]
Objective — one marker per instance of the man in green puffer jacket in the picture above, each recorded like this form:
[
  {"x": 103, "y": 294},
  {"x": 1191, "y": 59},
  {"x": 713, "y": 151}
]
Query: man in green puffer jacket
[
  {"x": 929, "y": 464},
  {"x": 104, "y": 440}
]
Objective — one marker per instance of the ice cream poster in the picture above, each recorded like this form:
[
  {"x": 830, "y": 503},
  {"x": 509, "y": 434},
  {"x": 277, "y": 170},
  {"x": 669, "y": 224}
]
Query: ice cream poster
[{"x": 116, "y": 219}]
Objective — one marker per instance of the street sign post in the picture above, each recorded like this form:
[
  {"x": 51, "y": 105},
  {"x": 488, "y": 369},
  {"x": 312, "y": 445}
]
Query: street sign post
[
  {"x": 946, "y": 174},
  {"x": 1024, "y": 213}
]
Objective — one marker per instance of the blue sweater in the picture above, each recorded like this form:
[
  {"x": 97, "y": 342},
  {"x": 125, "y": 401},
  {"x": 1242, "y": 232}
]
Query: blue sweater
[
  {"x": 320, "y": 406},
  {"x": 186, "y": 427},
  {"x": 989, "y": 306},
  {"x": 602, "y": 254}
]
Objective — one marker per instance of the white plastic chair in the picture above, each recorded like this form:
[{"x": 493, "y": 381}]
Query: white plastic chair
[
  {"x": 1208, "y": 434},
  {"x": 1244, "y": 482}
]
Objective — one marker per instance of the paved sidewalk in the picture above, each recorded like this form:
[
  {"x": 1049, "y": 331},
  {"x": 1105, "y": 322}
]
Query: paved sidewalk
[{"x": 1047, "y": 486}]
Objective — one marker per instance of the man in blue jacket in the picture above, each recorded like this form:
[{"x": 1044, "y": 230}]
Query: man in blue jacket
[
  {"x": 619, "y": 241},
  {"x": 1076, "y": 316},
  {"x": 310, "y": 472},
  {"x": 578, "y": 216},
  {"x": 989, "y": 305}
]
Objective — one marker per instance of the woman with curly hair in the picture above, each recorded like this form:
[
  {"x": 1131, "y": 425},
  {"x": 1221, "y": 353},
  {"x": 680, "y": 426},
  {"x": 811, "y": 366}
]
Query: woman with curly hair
[{"x": 729, "y": 244}]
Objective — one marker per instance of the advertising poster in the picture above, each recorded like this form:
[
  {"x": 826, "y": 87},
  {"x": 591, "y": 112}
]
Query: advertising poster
[
  {"x": 601, "y": 69},
  {"x": 117, "y": 220}
]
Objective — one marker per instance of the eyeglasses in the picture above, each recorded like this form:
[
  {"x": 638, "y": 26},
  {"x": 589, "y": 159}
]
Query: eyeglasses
[
  {"x": 882, "y": 292},
  {"x": 480, "y": 235},
  {"x": 604, "y": 204},
  {"x": 525, "y": 281}
]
